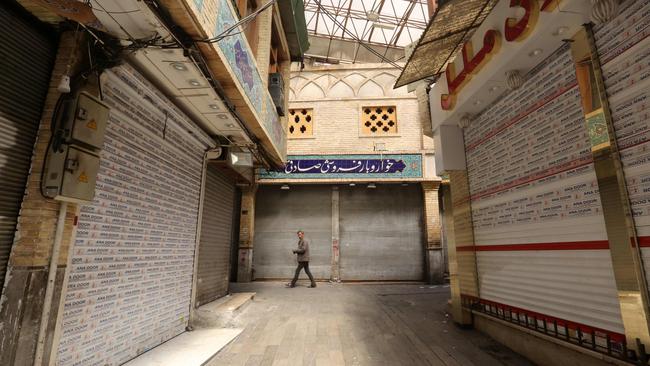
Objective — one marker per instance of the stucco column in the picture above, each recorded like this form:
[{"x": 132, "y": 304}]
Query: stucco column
[
  {"x": 435, "y": 264},
  {"x": 246, "y": 234},
  {"x": 424, "y": 113},
  {"x": 336, "y": 267}
]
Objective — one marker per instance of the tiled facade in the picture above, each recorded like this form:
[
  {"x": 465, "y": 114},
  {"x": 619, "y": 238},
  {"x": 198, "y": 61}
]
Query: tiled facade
[{"x": 338, "y": 95}]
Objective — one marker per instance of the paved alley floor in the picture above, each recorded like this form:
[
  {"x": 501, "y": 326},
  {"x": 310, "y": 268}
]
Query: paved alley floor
[{"x": 355, "y": 324}]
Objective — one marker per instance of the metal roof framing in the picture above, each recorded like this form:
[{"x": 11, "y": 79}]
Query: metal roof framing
[{"x": 401, "y": 23}]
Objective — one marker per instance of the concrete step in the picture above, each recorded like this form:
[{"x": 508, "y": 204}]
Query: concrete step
[
  {"x": 194, "y": 348},
  {"x": 220, "y": 312}
]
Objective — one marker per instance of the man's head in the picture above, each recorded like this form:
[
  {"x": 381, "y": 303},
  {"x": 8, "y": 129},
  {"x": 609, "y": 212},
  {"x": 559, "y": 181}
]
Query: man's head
[{"x": 301, "y": 234}]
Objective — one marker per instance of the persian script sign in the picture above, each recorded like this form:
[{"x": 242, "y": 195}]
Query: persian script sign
[
  {"x": 344, "y": 166},
  {"x": 350, "y": 166}
]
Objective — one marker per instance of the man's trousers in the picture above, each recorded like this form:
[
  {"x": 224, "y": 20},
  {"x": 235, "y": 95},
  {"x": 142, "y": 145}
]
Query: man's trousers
[{"x": 302, "y": 265}]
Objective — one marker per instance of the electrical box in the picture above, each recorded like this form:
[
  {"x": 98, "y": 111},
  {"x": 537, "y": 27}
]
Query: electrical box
[
  {"x": 71, "y": 175},
  {"x": 276, "y": 89},
  {"x": 72, "y": 162},
  {"x": 88, "y": 124}
]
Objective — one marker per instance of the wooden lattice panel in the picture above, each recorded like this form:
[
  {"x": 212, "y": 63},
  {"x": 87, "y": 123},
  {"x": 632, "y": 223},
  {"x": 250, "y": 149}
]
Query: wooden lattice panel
[
  {"x": 301, "y": 122},
  {"x": 377, "y": 121}
]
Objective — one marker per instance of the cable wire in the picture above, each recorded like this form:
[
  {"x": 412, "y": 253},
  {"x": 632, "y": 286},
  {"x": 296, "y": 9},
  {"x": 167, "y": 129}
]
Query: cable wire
[
  {"x": 361, "y": 42},
  {"x": 242, "y": 22}
]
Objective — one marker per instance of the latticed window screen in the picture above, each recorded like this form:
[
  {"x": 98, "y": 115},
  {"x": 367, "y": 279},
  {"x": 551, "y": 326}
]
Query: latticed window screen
[
  {"x": 301, "y": 122},
  {"x": 379, "y": 120}
]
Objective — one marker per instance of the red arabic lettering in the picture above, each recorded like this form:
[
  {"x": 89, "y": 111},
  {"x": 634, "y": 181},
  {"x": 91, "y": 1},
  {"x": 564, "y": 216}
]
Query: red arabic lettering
[
  {"x": 550, "y": 5},
  {"x": 471, "y": 65},
  {"x": 518, "y": 30}
]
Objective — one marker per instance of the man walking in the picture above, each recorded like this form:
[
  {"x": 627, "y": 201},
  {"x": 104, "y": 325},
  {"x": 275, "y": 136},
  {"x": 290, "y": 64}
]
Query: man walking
[{"x": 303, "y": 259}]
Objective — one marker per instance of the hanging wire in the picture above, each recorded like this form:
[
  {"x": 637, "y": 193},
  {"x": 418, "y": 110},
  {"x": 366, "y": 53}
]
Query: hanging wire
[
  {"x": 245, "y": 21},
  {"x": 360, "y": 41}
]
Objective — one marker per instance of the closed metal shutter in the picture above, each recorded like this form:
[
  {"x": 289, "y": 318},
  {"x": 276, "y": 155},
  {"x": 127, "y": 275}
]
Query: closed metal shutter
[
  {"x": 538, "y": 223},
  {"x": 216, "y": 236},
  {"x": 131, "y": 269},
  {"x": 279, "y": 214},
  {"x": 381, "y": 236},
  {"x": 26, "y": 58},
  {"x": 624, "y": 49}
]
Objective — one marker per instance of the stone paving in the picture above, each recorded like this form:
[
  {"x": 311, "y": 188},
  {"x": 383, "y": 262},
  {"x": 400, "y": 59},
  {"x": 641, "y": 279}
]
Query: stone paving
[{"x": 355, "y": 324}]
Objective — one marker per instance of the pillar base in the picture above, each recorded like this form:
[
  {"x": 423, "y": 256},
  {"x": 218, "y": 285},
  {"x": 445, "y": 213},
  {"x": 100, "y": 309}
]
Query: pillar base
[
  {"x": 245, "y": 265},
  {"x": 435, "y": 266}
]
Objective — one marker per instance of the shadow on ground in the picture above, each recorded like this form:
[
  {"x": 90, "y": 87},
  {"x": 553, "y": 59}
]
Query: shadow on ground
[{"x": 355, "y": 324}]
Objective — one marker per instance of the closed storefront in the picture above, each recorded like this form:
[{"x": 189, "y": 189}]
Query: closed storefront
[
  {"x": 216, "y": 236},
  {"x": 131, "y": 269},
  {"x": 624, "y": 50},
  {"x": 26, "y": 57},
  {"x": 279, "y": 215},
  {"x": 381, "y": 233},
  {"x": 539, "y": 229}
]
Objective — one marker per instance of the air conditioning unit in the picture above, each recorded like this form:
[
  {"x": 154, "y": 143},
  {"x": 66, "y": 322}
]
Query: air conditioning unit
[{"x": 276, "y": 88}]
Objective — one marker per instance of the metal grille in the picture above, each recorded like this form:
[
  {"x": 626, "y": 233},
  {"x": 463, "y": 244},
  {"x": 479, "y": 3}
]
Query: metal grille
[
  {"x": 624, "y": 50},
  {"x": 278, "y": 215},
  {"x": 595, "y": 339},
  {"x": 538, "y": 223},
  {"x": 301, "y": 122},
  {"x": 379, "y": 120},
  {"x": 381, "y": 233},
  {"x": 132, "y": 263},
  {"x": 216, "y": 236},
  {"x": 26, "y": 58}
]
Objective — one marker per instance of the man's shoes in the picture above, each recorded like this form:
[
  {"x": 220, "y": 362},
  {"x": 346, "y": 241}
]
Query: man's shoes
[
  {"x": 312, "y": 285},
  {"x": 288, "y": 285}
]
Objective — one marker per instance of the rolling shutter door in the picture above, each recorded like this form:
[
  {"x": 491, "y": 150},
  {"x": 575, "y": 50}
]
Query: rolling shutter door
[
  {"x": 538, "y": 224},
  {"x": 278, "y": 215},
  {"x": 381, "y": 233},
  {"x": 131, "y": 268},
  {"x": 624, "y": 49},
  {"x": 26, "y": 58},
  {"x": 216, "y": 236}
]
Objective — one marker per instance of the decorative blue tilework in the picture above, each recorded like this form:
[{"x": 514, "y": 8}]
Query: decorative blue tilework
[
  {"x": 388, "y": 166},
  {"x": 240, "y": 58}
]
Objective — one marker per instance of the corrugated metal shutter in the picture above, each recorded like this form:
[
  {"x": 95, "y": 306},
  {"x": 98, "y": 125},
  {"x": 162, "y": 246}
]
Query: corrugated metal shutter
[
  {"x": 538, "y": 222},
  {"x": 278, "y": 215},
  {"x": 381, "y": 235},
  {"x": 132, "y": 262},
  {"x": 216, "y": 236},
  {"x": 26, "y": 57},
  {"x": 624, "y": 49}
]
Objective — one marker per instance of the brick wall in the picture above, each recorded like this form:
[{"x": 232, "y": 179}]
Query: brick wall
[
  {"x": 38, "y": 215},
  {"x": 432, "y": 214},
  {"x": 337, "y": 95},
  {"x": 337, "y": 128}
]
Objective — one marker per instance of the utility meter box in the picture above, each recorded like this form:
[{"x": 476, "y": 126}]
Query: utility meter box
[
  {"x": 71, "y": 175},
  {"x": 73, "y": 158},
  {"x": 88, "y": 124}
]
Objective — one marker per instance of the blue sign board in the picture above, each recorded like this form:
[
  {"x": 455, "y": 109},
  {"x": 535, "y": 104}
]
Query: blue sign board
[{"x": 348, "y": 166}]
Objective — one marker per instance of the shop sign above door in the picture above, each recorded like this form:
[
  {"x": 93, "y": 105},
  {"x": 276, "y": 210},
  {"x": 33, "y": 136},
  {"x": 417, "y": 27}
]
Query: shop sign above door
[
  {"x": 348, "y": 166},
  {"x": 514, "y": 30}
]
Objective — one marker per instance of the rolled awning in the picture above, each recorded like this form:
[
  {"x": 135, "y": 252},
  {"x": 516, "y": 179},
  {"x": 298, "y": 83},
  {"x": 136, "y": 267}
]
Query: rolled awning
[{"x": 453, "y": 24}]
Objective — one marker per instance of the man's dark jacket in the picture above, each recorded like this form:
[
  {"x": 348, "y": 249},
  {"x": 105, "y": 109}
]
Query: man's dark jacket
[{"x": 303, "y": 250}]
